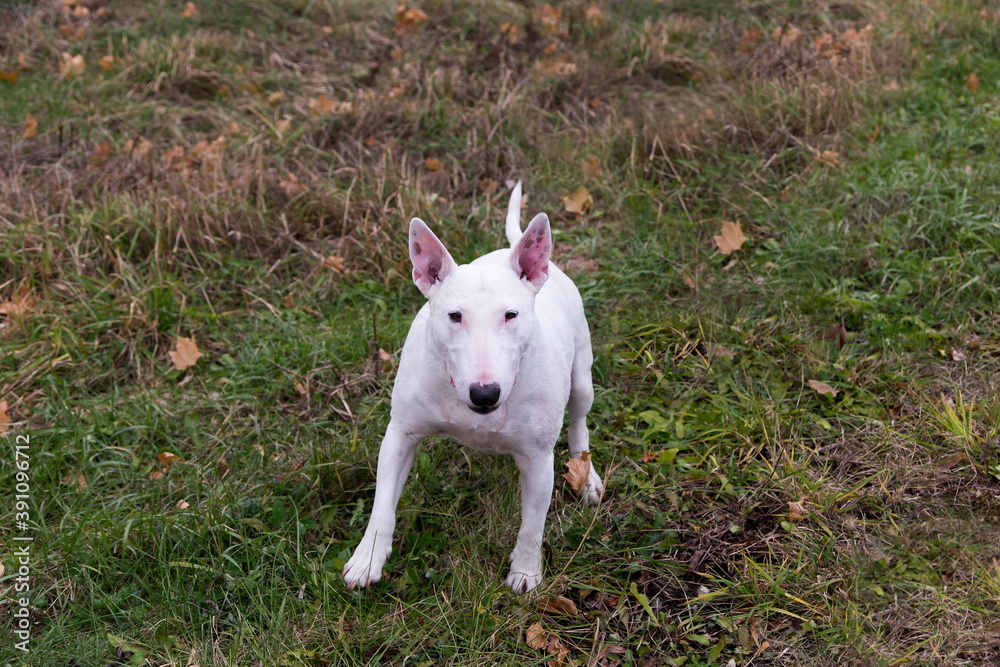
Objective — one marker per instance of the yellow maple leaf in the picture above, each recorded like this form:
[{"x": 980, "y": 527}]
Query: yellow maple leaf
[
  {"x": 185, "y": 353},
  {"x": 579, "y": 201},
  {"x": 730, "y": 238}
]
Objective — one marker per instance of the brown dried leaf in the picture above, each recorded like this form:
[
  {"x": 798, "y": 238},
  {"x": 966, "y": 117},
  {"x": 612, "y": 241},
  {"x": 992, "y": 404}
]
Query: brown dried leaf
[
  {"x": 190, "y": 11},
  {"x": 591, "y": 166},
  {"x": 177, "y": 158},
  {"x": 30, "y": 127},
  {"x": 433, "y": 164},
  {"x": 797, "y": 510},
  {"x": 137, "y": 148},
  {"x": 829, "y": 158},
  {"x": 557, "y": 606},
  {"x": 100, "y": 156},
  {"x": 579, "y": 472},
  {"x": 972, "y": 83},
  {"x": 949, "y": 462},
  {"x": 536, "y": 637},
  {"x": 323, "y": 106},
  {"x": 4, "y": 418},
  {"x": 185, "y": 353},
  {"x": 167, "y": 459},
  {"x": 730, "y": 238},
  {"x": 9, "y": 76},
  {"x": 75, "y": 478},
  {"x": 106, "y": 63},
  {"x": 182, "y": 505},
  {"x": 579, "y": 201},
  {"x": 822, "y": 388},
  {"x": 334, "y": 263},
  {"x": 291, "y": 186},
  {"x": 18, "y": 304},
  {"x": 408, "y": 20},
  {"x": 72, "y": 65}
]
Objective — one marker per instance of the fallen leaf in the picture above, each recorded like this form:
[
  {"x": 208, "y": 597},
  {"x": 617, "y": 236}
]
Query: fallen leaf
[
  {"x": 168, "y": 459},
  {"x": 591, "y": 166},
  {"x": 433, "y": 164},
  {"x": 100, "y": 156},
  {"x": 22, "y": 61},
  {"x": 950, "y": 462},
  {"x": 156, "y": 474},
  {"x": 9, "y": 76},
  {"x": 797, "y": 510},
  {"x": 75, "y": 478},
  {"x": 958, "y": 355},
  {"x": 30, "y": 127},
  {"x": 579, "y": 201},
  {"x": 4, "y": 418},
  {"x": 536, "y": 636},
  {"x": 408, "y": 20},
  {"x": 106, "y": 63},
  {"x": 512, "y": 32},
  {"x": 72, "y": 65},
  {"x": 137, "y": 148},
  {"x": 323, "y": 105},
  {"x": 730, "y": 238},
  {"x": 80, "y": 11},
  {"x": 557, "y": 606},
  {"x": 185, "y": 353},
  {"x": 972, "y": 83},
  {"x": 829, "y": 158},
  {"x": 563, "y": 66},
  {"x": 334, "y": 263},
  {"x": 593, "y": 15},
  {"x": 177, "y": 158},
  {"x": 18, "y": 304},
  {"x": 275, "y": 97},
  {"x": 291, "y": 186},
  {"x": 836, "y": 333},
  {"x": 548, "y": 18},
  {"x": 182, "y": 505},
  {"x": 579, "y": 472},
  {"x": 327, "y": 29},
  {"x": 190, "y": 11},
  {"x": 385, "y": 358},
  {"x": 822, "y": 388}
]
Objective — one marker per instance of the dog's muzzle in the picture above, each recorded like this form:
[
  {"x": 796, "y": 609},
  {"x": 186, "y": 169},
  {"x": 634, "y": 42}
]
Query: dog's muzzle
[{"x": 484, "y": 397}]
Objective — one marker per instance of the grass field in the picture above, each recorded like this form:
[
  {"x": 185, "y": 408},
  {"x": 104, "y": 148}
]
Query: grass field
[{"x": 800, "y": 438}]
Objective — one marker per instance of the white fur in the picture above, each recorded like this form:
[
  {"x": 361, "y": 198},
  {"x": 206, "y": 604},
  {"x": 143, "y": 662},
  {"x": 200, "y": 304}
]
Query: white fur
[{"x": 534, "y": 364}]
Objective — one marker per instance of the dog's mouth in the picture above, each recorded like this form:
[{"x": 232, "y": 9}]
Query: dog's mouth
[{"x": 484, "y": 410}]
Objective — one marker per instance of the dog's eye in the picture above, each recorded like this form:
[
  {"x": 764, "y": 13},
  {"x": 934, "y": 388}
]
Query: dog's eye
[
  {"x": 510, "y": 314},
  {"x": 455, "y": 316}
]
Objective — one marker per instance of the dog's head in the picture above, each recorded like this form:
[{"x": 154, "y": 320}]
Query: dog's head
[{"x": 482, "y": 315}]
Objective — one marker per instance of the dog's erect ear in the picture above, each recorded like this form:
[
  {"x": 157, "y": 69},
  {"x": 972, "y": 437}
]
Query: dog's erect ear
[
  {"x": 530, "y": 257},
  {"x": 431, "y": 261}
]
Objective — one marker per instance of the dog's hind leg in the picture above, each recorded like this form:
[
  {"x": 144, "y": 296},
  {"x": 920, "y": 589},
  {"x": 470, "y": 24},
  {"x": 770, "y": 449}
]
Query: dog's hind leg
[{"x": 581, "y": 398}]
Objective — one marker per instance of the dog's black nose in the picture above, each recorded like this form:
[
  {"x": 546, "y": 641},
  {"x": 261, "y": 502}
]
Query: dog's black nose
[{"x": 484, "y": 396}]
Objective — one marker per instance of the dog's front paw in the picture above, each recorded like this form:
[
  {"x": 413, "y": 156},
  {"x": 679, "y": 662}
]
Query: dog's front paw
[
  {"x": 521, "y": 582},
  {"x": 365, "y": 566},
  {"x": 595, "y": 488}
]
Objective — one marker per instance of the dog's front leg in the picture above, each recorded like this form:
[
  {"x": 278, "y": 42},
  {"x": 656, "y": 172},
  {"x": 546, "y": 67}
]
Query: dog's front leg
[
  {"x": 395, "y": 458},
  {"x": 537, "y": 479}
]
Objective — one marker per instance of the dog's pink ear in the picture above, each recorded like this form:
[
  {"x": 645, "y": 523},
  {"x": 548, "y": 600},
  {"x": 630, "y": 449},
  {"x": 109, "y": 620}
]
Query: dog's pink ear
[
  {"x": 431, "y": 261},
  {"x": 530, "y": 257}
]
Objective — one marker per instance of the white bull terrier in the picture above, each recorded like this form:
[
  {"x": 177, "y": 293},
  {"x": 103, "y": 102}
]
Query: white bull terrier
[{"x": 491, "y": 360}]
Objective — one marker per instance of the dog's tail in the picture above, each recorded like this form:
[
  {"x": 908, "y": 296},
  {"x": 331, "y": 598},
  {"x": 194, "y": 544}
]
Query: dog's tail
[{"x": 513, "y": 227}]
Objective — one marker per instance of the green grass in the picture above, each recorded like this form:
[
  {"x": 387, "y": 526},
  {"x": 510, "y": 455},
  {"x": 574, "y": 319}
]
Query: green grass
[{"x": 747, "y": 517}]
